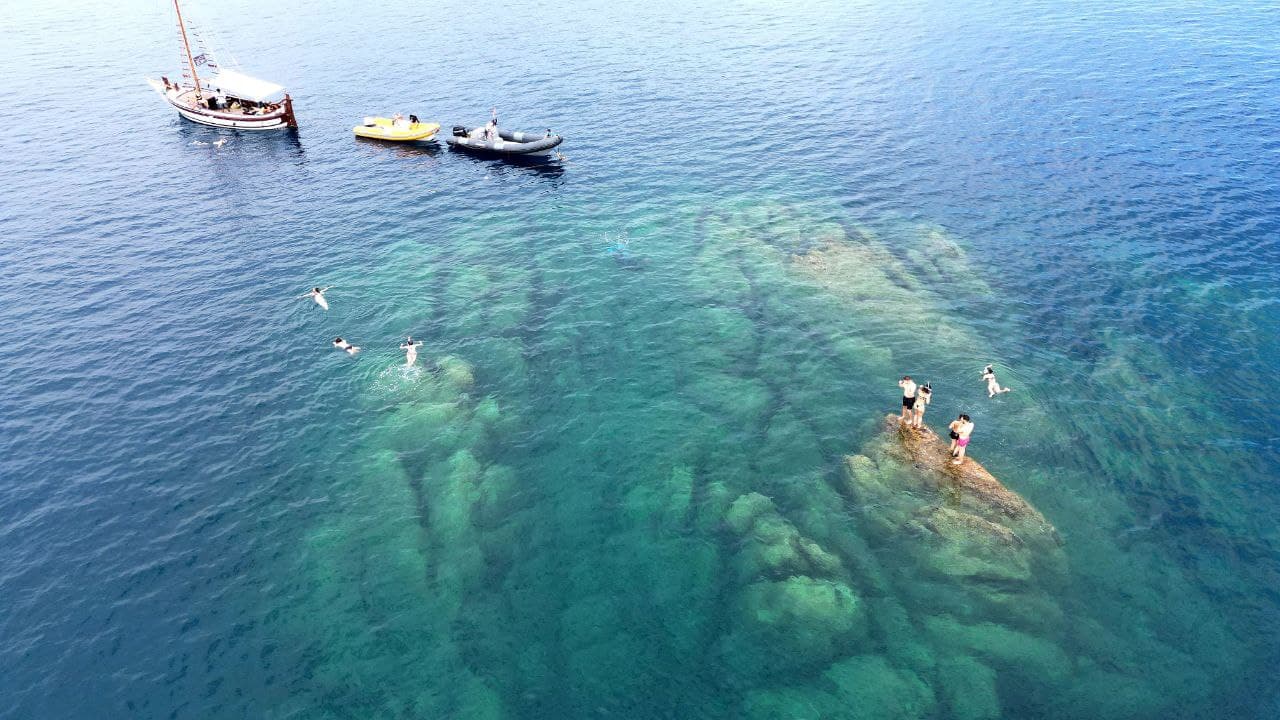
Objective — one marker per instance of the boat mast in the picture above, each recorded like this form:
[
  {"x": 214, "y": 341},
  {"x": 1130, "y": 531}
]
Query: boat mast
[{"x": 182, "y": 28}]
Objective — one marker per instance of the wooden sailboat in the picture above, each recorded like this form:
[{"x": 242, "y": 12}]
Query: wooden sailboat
[{"x": 222, "y": 97}]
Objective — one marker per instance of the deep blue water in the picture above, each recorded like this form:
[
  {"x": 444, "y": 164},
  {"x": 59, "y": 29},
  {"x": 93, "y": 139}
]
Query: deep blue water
[{"x": 206, "y": 512}]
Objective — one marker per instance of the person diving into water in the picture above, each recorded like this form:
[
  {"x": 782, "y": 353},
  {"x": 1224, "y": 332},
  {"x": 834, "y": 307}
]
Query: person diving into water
[
  {"x": 410, "y": 348},
  {"x": 993, "y": 387},
  {"x": 317, "y": 294},
  {"x": 344, "y": 345}
]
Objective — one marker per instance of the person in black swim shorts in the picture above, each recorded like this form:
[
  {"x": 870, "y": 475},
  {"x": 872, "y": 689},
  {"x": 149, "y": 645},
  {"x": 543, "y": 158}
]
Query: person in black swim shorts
[{"x": 908, "y": 398}]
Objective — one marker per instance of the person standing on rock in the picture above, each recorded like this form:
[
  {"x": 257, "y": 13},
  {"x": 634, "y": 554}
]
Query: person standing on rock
[
  {"x": 923, "y": 395},
  {"x": 908, "y": 398},
  {"x": 961, "y": 428}
]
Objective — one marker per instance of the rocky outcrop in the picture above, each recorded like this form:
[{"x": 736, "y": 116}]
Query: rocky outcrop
[
  {"x": 908, "y": 476},
  {"x": 979, "y": 566},
  {"x": 968, "y": 484}
]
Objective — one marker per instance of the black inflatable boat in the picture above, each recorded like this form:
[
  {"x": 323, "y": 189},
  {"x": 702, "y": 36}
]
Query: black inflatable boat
[{"x": 508, "y": 143}]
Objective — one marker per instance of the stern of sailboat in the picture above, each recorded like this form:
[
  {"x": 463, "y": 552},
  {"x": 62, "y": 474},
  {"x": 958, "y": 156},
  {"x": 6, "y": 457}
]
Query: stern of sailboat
[{"x": 289, "y": 120}]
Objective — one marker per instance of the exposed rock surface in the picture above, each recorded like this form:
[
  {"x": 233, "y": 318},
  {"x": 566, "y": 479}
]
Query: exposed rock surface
[
  {"x": 976, "y": 485},
  {"x": 975, "y": 499}
]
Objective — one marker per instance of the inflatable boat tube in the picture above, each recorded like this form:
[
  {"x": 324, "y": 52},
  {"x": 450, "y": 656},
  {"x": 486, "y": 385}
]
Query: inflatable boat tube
[{"x": 525, "y": 144}]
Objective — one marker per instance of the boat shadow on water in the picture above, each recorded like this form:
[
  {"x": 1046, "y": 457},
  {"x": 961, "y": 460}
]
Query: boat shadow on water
[
  {"x": 420, "y": 148},
  {"x": 548, "y": 167},
  {"x": 275, "y": 145}
]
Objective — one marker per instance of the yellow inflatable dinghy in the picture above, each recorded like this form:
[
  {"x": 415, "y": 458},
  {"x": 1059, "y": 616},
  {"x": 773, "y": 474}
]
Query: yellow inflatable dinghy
[{"x": 400, "y": 130}]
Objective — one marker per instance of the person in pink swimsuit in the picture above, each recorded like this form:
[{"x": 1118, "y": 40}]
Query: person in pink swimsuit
[{"x": 961, "y": 428}]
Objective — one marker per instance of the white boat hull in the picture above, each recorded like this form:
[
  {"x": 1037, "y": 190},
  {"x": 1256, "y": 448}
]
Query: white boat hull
[
  {"x": 275, "y": 124},
  {"x": 277, "y": 120}
]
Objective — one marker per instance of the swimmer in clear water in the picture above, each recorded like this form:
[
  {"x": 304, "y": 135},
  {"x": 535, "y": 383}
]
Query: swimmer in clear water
[
  {"x": 993, "y": 387},
  {"x": 923, "y": 396},
  {"x": 344, "y": 345},
  {"x": 410, "y": 348},
  {"x": 317, "y": 294},
  {"x": 620, "y": 247}
]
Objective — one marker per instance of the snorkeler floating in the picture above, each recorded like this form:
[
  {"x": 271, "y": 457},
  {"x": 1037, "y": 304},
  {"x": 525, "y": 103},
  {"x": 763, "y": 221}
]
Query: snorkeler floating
[
  {"x": 621, "y": 247},
  {"x": 344, "y": 345},
  {"x": 410, "y": 348},
  {"x": 317, "y": 294},
  {"x": 993, "y": 387}
]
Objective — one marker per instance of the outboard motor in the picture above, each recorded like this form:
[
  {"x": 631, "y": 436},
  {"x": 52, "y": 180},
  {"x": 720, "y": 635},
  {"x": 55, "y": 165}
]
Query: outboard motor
[{"x": 459, "y": 131}]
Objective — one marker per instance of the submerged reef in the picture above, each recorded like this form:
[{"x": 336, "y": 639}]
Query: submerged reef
[
  {"x": 971, "y": 579},
  {"x": 669, "y": 493},
  {"x": 427, "y": 526}
]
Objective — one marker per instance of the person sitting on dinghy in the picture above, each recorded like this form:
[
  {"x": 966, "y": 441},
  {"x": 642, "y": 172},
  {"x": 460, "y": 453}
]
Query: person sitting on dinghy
[{"x": 491, "y": 127}]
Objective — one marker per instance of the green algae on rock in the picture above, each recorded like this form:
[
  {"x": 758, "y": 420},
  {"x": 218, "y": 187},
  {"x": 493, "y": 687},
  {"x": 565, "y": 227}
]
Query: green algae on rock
[
  {"x": 795, "y": 609},
  {"x": 428, "y": 523}
]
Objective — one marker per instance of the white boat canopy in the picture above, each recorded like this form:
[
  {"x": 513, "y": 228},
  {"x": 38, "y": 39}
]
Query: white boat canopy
[{"x": 244, "y": 87}]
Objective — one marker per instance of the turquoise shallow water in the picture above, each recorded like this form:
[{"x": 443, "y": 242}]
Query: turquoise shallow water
[{"x": 618, "y": 486}]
